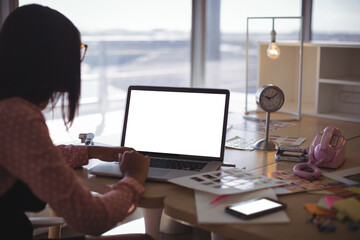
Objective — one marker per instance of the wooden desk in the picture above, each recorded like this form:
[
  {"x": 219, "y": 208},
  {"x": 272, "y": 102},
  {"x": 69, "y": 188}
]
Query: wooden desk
[
  {"x": 181, "y": 206},
  {"x": 179, "y": 202}
]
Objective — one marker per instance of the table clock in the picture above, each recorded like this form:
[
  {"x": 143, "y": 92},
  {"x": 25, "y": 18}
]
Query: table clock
[{"x": 269, "y": 98}]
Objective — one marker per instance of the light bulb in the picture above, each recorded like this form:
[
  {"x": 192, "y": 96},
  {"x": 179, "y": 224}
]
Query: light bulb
[{"x": 273, "y": 51}]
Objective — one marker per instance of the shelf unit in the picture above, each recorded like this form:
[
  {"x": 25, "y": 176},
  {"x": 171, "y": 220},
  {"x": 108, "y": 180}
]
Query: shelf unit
[{"x": 331, "y": 78}]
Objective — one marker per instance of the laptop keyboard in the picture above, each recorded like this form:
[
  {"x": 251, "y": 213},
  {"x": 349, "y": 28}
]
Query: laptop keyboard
[{"x": 176, "y": 164}]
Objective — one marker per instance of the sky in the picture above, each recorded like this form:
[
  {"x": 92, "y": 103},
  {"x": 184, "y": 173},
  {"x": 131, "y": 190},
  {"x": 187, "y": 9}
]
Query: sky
[{"x": 146, "y": 15}]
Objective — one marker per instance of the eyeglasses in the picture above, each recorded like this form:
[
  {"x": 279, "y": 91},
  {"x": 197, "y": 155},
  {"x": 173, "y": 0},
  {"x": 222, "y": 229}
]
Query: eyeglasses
[{"x": 83, "y": 48}]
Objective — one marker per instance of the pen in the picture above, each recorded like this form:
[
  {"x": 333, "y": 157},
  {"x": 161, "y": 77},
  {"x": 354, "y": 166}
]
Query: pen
[
  {"x": 228, "y": 165},
  {"x": 215, "y": 200}
]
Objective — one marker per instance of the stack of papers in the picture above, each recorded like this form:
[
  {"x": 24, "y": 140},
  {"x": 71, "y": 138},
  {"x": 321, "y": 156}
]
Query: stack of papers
[
  {"x": 230, "y": 181},
  {"x": 215, "y": 213},
  {"x": 238, "y": 185}
]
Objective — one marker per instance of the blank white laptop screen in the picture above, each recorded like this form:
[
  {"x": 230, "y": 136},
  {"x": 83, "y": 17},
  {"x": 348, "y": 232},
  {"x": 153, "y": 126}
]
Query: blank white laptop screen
[{"x": 175, "y": 122}]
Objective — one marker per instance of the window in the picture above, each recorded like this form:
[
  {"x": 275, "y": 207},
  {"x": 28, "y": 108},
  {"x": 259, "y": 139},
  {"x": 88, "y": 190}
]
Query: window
[
  {"x": 149, "y": 43},
  {"x": 336, "y": 20},
  {"x": 130, "y": 42}
]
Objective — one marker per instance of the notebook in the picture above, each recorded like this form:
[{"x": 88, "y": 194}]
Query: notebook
[{"x": 182, "y": 128}]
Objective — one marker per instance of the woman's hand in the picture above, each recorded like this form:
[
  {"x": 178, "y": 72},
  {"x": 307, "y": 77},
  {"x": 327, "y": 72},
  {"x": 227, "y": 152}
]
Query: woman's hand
[
  {"x": 134, "y": 164},
  {"x": 107, "y": 154}
]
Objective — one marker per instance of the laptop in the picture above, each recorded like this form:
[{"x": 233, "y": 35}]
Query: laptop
[{"x": 183, "y": 130}]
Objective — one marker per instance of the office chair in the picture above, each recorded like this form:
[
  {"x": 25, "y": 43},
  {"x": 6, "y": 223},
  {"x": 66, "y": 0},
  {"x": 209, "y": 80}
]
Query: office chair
[{"x": 53, "y": 223}]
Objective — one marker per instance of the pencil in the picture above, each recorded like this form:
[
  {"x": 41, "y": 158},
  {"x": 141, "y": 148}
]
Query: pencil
[{"x": 215, "y": 200}]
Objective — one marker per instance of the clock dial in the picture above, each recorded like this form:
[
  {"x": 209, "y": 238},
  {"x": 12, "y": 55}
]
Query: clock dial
[{"x": 270, "y": 98}]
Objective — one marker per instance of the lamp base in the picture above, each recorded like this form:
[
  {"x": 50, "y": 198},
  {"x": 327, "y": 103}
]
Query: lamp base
[{"x": 264, "y": 144}]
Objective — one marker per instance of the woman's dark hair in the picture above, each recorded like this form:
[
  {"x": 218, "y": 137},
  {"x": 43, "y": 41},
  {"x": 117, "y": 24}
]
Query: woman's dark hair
[{"x": 40, "y": 58}]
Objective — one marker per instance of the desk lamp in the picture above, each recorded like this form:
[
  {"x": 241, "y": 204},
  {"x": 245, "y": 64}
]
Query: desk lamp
[{"x": 273, "y": 52}]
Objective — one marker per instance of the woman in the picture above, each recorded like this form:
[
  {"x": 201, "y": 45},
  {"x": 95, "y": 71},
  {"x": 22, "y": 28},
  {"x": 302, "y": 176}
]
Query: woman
[{"x": 39, "y": 66}]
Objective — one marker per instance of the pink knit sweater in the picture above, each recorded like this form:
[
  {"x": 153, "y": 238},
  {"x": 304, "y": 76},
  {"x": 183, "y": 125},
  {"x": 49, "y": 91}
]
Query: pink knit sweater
[{"x": 28, "y": 154}]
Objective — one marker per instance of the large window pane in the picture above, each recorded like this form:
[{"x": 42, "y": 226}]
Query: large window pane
[
  {"x": 336, "y": 20},
  {"x": 131, "y": 42}
]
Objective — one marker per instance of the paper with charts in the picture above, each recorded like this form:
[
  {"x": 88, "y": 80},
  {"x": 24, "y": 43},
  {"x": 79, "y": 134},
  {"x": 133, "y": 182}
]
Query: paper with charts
[{"x": 229, "y": 181}]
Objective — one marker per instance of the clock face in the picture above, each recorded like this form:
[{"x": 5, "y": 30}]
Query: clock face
[{"x": 270, "y": 98}]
